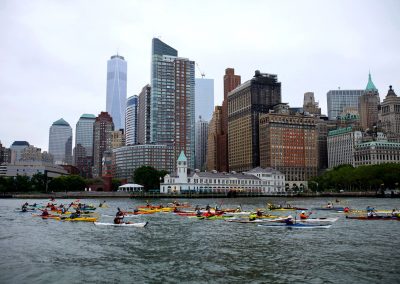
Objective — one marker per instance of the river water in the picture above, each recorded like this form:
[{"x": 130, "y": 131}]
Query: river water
[{"x": 173, "y": 249}]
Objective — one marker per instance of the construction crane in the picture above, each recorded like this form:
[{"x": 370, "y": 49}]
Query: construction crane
[{"x": 201, "y": 73}]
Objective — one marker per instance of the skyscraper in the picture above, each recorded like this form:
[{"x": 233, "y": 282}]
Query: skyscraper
[
  {"x": 368, "y": 104},
  {"x": 204, "y": 98},
  {"x": 16, "y": 148},
  {"x": 172, "y": 100},
  {"x": 116, "y": 90},
  {"x": 310, "y": 105},
  {"x": 60, "y": 142},
  {"x": 143, "y": 134},
  {"x": 231, "y": 81},
  {"x": 201, "y": 143},
  {"x": 214, "y": 129},
  {"x": 390, "y": 116},
  {"x": 83, "y": 152},
  {"x": 245, "y": 104},
  {"x": 102, "y": 134},
  {"x": 338, "y": 100},
  {"x": 131, "y": 120}
]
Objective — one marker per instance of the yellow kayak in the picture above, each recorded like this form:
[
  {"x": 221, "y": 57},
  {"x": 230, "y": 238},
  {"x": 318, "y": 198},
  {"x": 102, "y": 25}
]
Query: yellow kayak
[{"x": 81, "y": 219}]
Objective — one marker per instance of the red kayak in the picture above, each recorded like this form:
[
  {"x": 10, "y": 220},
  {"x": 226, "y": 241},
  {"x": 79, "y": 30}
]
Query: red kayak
[{"x": 373, "y": 218}]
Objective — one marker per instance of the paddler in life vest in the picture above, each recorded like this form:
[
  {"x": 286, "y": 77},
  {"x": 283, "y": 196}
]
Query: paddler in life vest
[
  {"x": 258, "y": 213},
  {"x": 289, "y": 220},
  {"x": 303, "y": 215},
  {"x": 118, "y": 217},
  {"x": 45, "y": 213}
]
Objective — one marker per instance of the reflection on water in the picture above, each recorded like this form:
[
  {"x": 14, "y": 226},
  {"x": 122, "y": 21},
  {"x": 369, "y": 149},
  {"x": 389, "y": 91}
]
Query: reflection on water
[{"x": 179, "y": 249}]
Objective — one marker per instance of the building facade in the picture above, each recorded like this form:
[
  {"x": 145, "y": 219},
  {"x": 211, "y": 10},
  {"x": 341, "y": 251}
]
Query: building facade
[
  {"x": 30, "y": 168},
  {"x": 83, "y": 151},
  {"x": 245, "y": 105},
  {"x": 5, "y": 155},
  {"x": 310, "y": 105},
  {"x": 116, "y": 90},
  {"x": 172, "y": 100},
  {"x": 102, "y": 136},
  {"x": 376, "y": 152},
  {"x": 368, "y": 104},
  {"x": 231, "y": 81},
  {"x": 214, "y": 129},
  {"x": 128, "y": 158},
  {"x": 289, "y": 143},
  {"x": 258, "y": 180},
  {"x": 204, "y": 98},
  {"x": 117, "y": 139},
  {"x": 60, "y": 142},
  {"x": 131, "y": 120},
  {"x": 201, "y": 143},
  {"x": 144, "y": 128},
  {"x": 33, "y": 154},
  {"x": 390, "y": 116},
  {"x": 339, "y": 99},
  {"x": 340, "y": 144},
  {"x": 15, "y": 149}
]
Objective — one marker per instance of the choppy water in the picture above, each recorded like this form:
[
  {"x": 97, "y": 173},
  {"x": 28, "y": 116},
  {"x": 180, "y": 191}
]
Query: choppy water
[{"x": 174, "y": 249}]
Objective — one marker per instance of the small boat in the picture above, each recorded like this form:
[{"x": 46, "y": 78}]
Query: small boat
[
  {"x": 373, "y": 218},
  {"x": 308, "y": 220},
  {"x": 329, "y": 208},
  {"x": 296, "y": 225},
  {"x": 137, "y": 225}
]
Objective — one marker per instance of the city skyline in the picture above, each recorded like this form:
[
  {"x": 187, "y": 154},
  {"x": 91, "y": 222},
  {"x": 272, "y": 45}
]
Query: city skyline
[{"x": 56, "y": 52}]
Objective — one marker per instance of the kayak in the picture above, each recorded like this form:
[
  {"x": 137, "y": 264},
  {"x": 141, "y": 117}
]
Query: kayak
[
  {"x": 82, "y": 219},
  {"x": 246, "y": 221},
  {"x": 373, "y": 218},
  {"x": 137, "y": 225},
  {"x": 308, "y": 220},
  {"x": 125, "y": 216},
  {"x": 296, "y": 225},
  {"x": 330, "y": 208}
]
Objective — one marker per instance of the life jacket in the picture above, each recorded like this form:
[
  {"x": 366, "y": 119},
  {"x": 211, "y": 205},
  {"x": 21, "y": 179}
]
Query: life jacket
[{"x": 303, "y": 216}]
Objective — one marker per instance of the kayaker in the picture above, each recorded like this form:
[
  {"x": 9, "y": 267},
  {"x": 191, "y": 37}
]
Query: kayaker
[
  {"x": 239, "y": 209},
  {"x": 394, "y": 213},
  {"x": 346, "y": 210},
  {"x": 24, "y": 208},
  {"x": 303, "y": 215},
  {"x": 329, "y": 205},
  {"x": 45, "y": 213},
  {"x": 289, "y": 220},
  {"x": 118, "y": 217},
  {"x": 77, "y": 214},
  {"x": 208, "y": 207},
  {"x": 101, "y": 203},
  {"x": 198, "y": 213},
  {"x": 259, "y": 213}
]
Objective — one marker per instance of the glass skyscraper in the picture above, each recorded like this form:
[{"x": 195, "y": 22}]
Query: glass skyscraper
[
  {"x": 172, "y": 99},
  {"x": 60, "y": 142},
  {"x": 340, "y": 99},
  {"x": 83, "y": 152},
  {"x": 131, "y": 120},
  {"x": 116, "y": 90},
  {"x": 201, "y": 143},
  {"x": 204, "y": 99}
]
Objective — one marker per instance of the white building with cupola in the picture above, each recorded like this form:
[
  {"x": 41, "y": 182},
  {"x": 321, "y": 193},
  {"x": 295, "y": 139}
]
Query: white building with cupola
[{"x": 258, "y": 181}]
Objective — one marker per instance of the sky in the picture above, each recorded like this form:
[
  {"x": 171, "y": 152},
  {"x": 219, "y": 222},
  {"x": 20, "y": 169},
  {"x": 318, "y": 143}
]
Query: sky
[{"x": 53, "y": 54}]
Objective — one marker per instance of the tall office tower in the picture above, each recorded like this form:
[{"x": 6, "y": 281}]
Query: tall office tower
[
  {"x": 116, "y": 90},
  {"x": 289, "y": 143},
  {"x": 102, "y": 133},
  {"x": 204, "y": 98},
  {"x": 231, "y": 81},
  {"x": 83, "y": 151},
  {"x": 368, "y": 104},
  {"x": 245, "y": 104},
  {"x": 341, "y": 144},
  {"x": 143, "y": 133},
  {"x": 172, "y": 100},
  {"x": 322, "y": 134},
  {"x": 16, "y": 149},
  {"x": 201, "y": 143},
  {"x": 340, "y": 99},
  {"x": 60, "y": 142},
  {"x": 131, "y": 120},
  {"x": 310, "y": 105},
  {"x": 214, "y": 129},
  {"x": 390, "y": 116}
]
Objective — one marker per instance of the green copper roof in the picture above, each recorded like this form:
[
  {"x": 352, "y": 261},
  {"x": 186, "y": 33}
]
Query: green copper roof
[
  {"x": 182, "y": 157},
  {"x": 370, "y": 85},
  {"x": 86, "y": 115},
  {"x": 61, "y": 121}
]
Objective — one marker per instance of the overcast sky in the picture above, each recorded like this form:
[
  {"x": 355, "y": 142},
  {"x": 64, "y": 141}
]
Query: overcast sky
[{"x": 53, "y": 54}]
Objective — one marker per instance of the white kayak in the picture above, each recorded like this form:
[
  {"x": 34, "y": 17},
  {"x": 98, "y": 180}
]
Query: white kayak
[
  {"x": 125, "y": 216},
  {"x": 309, "y": 220},
  {"x": 137, "y": 225}
]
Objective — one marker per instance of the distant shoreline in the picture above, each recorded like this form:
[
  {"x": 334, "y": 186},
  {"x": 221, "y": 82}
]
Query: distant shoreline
[{"x": 99, "y": 194}]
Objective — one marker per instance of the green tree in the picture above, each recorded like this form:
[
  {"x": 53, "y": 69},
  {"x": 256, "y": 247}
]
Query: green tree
[
  {"x": 22, "y": 183},
  {"x": 74, "y": 183},
  {"x": 38, "y": 182},
  {"x": 147, "y": 176},
  {"x": 115, "y": 183}
]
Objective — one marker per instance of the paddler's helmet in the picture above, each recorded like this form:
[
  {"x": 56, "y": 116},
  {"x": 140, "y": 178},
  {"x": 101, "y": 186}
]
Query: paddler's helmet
[
  {"x": 303, "y": 212},
  {"x": 290, "y": 217}
]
